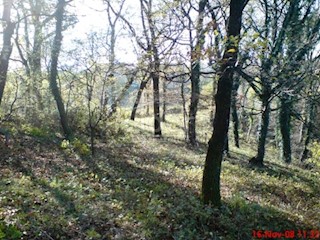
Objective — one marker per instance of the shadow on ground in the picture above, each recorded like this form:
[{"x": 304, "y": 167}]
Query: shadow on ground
[{"x": 118, "y": 194}]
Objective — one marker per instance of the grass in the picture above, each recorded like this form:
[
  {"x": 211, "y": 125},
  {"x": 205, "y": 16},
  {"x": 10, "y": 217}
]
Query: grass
[{"x": 141, "y": 187}]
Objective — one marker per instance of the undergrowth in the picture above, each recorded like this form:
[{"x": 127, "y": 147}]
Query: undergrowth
[{"x": 140, "y": 187}]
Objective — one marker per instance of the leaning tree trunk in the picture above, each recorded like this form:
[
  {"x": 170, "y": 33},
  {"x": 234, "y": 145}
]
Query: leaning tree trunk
[
  {"x": 6, "y": 45},
  {"x": 284, "y": 123},
  {"x": 143, "y": 84},
  {"x": 117, "y": 100},
  {"x": 54, "y": 68},
  {"x": 212, "y": 168}
]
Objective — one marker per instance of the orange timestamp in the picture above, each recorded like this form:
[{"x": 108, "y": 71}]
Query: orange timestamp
[{"x": 289, "y": 234}]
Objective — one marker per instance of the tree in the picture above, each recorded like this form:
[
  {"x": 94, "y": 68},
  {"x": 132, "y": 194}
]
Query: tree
[
  {"x": 150, "y": 47},
  {"x": 112, "y": 39},
  {"x": 276, "y": 57},
  {"x": 311, "y": 96},
  {"x": 56, "y": 47},
  {"x": 196, "y": 53},
  {"x": 6, "y": 45},
  {"x": 34, "y": 18},
  {"x": 212, "y": 168}
]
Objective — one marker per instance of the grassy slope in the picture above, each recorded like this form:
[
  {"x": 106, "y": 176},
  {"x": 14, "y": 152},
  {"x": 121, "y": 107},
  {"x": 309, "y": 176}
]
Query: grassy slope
[{"x": 139, "y": 187}]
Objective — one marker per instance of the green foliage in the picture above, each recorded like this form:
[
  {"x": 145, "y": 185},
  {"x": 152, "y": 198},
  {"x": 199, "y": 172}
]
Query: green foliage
[
  {"x": 35, "y": 131},
  {"x": 80, "y": 147},
  {"x": 92, "y": 234},
  {"x": 75, "y": 145},
  {"x": 65, "y": 144},
  {"x": 9, "y": 232},
  {"x": 315, "y": 154}
]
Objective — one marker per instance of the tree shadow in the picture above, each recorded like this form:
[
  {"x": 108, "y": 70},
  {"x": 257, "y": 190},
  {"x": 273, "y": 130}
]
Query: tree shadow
[
  {"x": 272, "y": 169},
  {"x": 168, "y": 210},
  {"x": 146, "y": 203}
]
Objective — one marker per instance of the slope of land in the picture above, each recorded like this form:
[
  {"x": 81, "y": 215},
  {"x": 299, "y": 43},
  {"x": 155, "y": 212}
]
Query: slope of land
[{"x": 140, "y": 187}]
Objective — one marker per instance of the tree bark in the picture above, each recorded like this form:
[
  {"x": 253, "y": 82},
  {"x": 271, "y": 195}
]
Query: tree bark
[
  {"x": 212, "y": 168},
  {"x": 6, "y": 45},
  {"x": 264, "y": 125},
  {"x": 311, "y": 116},
  {"x": 143, "y": 84},
  {"x": 185, "y": 114},
  {"x": 234, "y": 112},
  {"x": 54, "y": 71},
  {"x": 284, "y": 123},
  {"x": 156, "y": 104},
  {"x": 194, "y": 101},
  {"x": 164, "y": 102}
]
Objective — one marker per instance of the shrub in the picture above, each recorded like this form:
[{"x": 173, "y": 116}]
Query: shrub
[
  {"x": 315, "y": 154},
  {"x": 76, "y": 145},
  {"x": 9, "y": 232}
]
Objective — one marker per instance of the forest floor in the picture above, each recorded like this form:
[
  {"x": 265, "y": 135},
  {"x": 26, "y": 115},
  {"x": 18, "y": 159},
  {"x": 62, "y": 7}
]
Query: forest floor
[{"x": 141, "y": 187}]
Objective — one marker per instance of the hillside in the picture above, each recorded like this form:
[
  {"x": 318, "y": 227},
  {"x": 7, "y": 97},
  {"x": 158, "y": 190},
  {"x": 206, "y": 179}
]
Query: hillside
[{"x": 140, "y": 187}]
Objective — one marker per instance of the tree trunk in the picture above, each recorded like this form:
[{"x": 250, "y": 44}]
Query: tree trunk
[
  {"x": 147, "y": 95},
  {"x": 212, "y": 168},
  {"x": 164, "y": 101},
  {"x": 154, "y": 64},
  {"x": 54, "y": 71},
  {"x": 195, "y": 93},
  {"x": 284, "y": 123},
  {"x": 143, "y": 84},
  {"x": 156, "y": 104},
  {"x": 116, "y": 102},
  {"x": 311, "y": 116},
  {"x": 234, "y": 112},
  {"x": 196, "y": 52},
  {"x": 92, "y": 137},
  {"x": 6, "y": 45},
  {"x": 184, "y": 112},
  {"x": 35, "y": 61},
  {"x": 264, "y": 124}
]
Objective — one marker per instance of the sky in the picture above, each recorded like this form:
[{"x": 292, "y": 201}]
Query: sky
[{"x": 92, "y": 16}]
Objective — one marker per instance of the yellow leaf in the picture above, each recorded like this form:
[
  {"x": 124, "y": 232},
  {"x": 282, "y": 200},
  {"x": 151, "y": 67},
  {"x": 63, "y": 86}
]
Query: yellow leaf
[{"x": 231, "y": 50}]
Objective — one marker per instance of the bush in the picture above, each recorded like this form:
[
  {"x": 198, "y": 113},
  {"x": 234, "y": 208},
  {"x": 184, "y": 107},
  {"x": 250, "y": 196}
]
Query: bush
[
  {"x": 76, "y": 145},
  {"x": 315, "y": 154},
  {"x": 35, "y": 131},
  {"x": 9, "y": 232}
]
